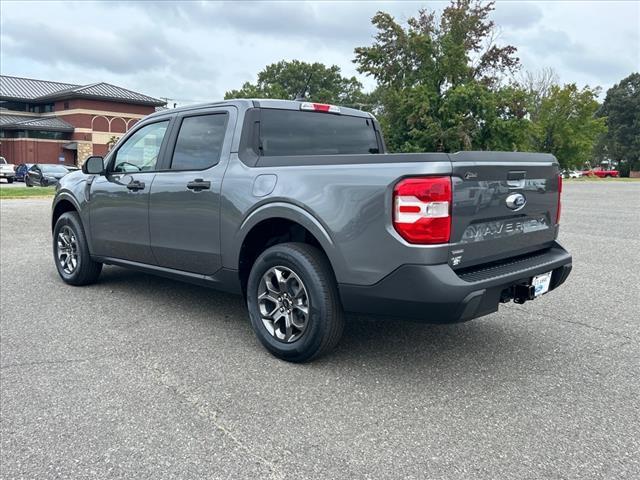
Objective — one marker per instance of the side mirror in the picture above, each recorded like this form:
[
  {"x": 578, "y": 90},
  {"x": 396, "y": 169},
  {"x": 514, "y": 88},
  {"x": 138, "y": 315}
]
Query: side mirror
[{"x": 93, "y": 166}]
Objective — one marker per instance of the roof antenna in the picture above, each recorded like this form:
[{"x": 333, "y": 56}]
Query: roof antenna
[{"x": 300, "y": 97}]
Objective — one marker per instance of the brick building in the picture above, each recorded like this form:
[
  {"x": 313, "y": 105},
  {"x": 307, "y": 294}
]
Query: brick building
[{"x": 52, "y": 122}]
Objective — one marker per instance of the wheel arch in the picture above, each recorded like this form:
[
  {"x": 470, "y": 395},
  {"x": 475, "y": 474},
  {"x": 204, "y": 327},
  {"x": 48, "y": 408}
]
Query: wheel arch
[
  {"x": 62, "y": 204},
  {"x": 278, "y": 223}
]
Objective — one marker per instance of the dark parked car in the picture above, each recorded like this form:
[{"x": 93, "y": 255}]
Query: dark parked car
[
  {"x": 45, "y": 175},
  {"x": 298, "y": 207},
  {"x": 21, "y": 171}
]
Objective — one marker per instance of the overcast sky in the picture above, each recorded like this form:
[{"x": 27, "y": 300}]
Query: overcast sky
[{"x": 195, "y": 51}]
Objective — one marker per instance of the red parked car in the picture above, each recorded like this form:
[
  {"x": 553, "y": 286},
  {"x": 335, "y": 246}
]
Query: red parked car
[{"x": 601, "y": 172}]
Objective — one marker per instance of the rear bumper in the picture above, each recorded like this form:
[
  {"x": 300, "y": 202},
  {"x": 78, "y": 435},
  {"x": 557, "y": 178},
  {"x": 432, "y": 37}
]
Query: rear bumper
[{"x": 438, "y": 294}]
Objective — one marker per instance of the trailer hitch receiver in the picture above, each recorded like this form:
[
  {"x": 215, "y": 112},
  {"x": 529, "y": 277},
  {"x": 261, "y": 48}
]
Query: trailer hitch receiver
[{"x": 522, "y": 293}]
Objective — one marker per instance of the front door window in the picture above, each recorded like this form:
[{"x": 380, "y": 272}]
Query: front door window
[{"x": 140, "y": 152}]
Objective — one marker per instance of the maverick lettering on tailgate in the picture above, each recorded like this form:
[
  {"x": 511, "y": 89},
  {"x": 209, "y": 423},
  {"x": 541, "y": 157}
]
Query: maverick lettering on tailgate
[{"x": 479, "y": 232}]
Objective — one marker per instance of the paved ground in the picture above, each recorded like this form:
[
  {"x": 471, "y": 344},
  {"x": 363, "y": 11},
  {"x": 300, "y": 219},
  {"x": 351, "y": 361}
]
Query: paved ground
[
  {"x": 141, "y": 377},
  {"x": 5, "y": 184}
]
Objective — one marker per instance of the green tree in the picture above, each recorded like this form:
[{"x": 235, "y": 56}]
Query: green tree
[
  {"x": 112, "y": 141},
  {"x": 538, "y": 87},
  {"x": 313, "y": 81},
  {"x": 566, "y": 125},
  {"x": 621, "y": 108},
  {"x": 441, "y": 81}
]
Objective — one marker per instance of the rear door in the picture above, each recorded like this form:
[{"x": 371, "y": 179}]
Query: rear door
[
  {"x": 504, "y": 204},
  {"x": 184, "y": 209}
]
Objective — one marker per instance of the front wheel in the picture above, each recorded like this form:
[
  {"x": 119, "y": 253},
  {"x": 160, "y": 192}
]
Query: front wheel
[
  {"x": 293, "y": 302},
  {"x": 10, "y": 179},
  {"x": 27, "y": 182},
  {"x": 71, "y": 252}
]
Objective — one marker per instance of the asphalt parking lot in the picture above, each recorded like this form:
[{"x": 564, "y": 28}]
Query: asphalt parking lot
[
  {"x": 14, "y": 184},
  {"x": 143, "y": 377}
]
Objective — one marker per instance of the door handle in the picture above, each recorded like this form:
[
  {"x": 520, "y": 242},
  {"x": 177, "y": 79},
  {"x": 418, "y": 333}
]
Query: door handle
[
  {"x": 135, "y": 185},
  {"x": 198, "y": 184}
]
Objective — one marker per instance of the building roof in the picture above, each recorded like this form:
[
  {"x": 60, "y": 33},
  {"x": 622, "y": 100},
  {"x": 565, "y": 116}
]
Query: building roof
[
  {"x": 31, "y": 90},
  {"x": 24, "y": 122},
  {"x": 28, "y": 89}
]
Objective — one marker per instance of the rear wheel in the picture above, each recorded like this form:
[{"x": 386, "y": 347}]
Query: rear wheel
[
  {"x": 10, "y": 179},
  {"x": 293, "y": 302},
  {"x": 27, "y": 182},
  {"x": 71, "y": 252}
]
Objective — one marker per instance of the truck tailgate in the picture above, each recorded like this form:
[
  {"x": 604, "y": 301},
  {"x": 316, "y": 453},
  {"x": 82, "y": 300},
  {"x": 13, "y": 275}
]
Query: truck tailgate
[{"x": 504, "y": 205}]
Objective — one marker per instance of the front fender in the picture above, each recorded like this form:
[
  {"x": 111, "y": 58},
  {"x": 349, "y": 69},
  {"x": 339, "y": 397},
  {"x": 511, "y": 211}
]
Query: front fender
[
  {"x": 63, "y": 196},
  {"x": 73, "y": 188}
]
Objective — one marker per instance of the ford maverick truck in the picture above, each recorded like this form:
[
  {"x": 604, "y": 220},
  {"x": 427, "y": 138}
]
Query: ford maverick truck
[{"x": 298, "y": 207}]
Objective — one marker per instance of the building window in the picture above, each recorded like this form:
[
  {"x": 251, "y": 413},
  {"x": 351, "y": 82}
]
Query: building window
[
  {"x": 46, "y": 108},
  {"x": 48, "y": 135},
  {"x": 16, "y": 106},
  {"x": 44, "y": 134}
]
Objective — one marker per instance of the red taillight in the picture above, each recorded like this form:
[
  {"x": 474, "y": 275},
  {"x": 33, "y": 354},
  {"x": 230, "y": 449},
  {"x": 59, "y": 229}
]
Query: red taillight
[
  {"x": 422, "y": 209},
  {"x": 559, "y": 201}
]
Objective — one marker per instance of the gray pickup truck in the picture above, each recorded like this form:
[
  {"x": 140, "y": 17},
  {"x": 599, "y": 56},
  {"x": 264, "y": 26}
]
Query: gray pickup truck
[{"x": 298, "y": 207}]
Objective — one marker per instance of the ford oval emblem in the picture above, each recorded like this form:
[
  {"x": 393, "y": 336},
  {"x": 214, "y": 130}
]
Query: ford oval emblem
[{"x": 516, "y": 201}]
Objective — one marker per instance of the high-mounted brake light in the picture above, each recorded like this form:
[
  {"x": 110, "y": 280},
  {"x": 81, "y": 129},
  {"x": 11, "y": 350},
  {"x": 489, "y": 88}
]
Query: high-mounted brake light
[
  {"x": 422, "y": 209},
  {"x": 559, "y": 200},
  {"x": 319, "y": 107}
]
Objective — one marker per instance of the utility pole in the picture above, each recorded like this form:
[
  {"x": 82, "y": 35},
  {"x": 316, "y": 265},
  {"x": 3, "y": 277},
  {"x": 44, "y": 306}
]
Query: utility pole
[{"x": 167, "y": 100}]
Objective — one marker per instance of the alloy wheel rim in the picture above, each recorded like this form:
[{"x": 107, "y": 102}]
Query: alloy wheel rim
[
  {"x": 284, "y": 304},
  {"x": 67, "y": 250}
]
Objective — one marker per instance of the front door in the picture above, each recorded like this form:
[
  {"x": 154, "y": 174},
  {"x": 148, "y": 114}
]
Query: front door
[
  {"x": 184, "y": 208},
  {"x": 119, "y": 200}
]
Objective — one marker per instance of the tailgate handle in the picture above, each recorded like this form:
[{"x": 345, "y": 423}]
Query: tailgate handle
[{"x": 515, "y": 179}]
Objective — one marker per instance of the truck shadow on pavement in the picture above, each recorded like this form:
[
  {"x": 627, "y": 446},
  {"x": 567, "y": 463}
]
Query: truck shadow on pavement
[{"x": 493, "y": 341}]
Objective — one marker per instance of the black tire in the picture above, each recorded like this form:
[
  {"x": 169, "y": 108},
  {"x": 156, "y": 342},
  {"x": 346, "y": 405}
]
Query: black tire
[
  {"x": 86, "y": 270},
  {"x": 27, "y": 182},
  {"x": 10, "y": 180},
  {"x": 325, "y": 319}
]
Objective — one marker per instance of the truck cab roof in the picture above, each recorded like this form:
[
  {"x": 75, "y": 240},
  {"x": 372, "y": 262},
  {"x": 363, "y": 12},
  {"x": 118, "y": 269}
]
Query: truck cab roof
[{"x": 247, "y": 103}]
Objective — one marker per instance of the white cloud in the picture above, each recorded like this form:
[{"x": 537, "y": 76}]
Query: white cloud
[{"x": 195, "y": 51}]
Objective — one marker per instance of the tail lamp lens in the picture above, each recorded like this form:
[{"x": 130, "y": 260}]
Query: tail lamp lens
[
  {"x": 559, "y": 200},
  {"x": 422, "y": 209}
]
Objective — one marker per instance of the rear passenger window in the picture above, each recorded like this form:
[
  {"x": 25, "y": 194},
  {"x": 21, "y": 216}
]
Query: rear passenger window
[
  {"x": 199, "y": 142},
  {"x": 291, "y": 132}
]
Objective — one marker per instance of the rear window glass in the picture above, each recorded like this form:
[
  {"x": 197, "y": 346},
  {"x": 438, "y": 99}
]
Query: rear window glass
[
  {"x": 53, "y": 169},
  {"x": 290, "y": 132},
  {"x": 199, "y": 142}
]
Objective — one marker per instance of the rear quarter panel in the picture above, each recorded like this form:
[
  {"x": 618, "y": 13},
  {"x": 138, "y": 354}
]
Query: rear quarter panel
[{"x": 348, "y": 207}]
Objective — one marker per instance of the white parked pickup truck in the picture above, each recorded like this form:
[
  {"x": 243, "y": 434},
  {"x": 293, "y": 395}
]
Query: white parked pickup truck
[{"x": 6, "y": 170}]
